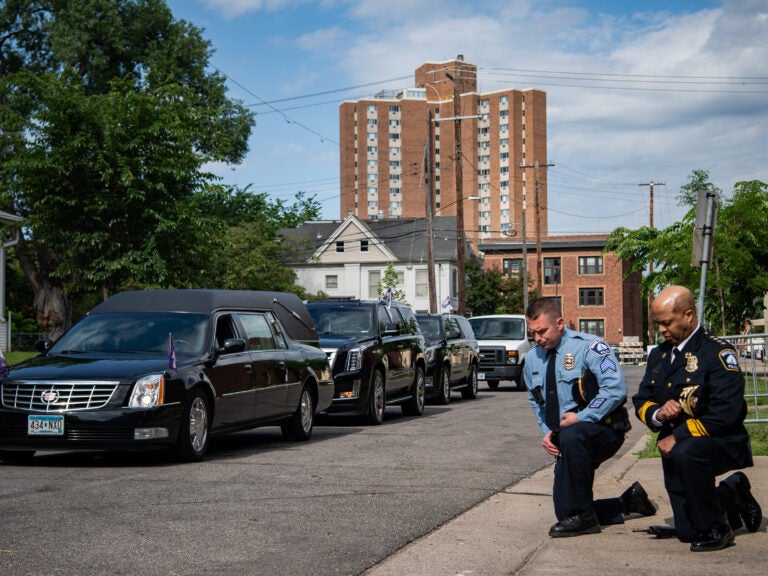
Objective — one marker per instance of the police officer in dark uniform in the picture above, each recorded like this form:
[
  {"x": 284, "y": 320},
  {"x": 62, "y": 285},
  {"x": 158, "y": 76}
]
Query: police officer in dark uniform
[
  {"x": 578, "y": 395},
  {"x": 692, "y": 393}
]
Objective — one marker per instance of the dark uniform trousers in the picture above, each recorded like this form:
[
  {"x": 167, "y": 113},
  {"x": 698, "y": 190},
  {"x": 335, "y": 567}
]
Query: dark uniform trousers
[
  {"x": 689, "y": 475},
  {"x": 583, "y": 447},
  {"x": 696, "y": 460}
]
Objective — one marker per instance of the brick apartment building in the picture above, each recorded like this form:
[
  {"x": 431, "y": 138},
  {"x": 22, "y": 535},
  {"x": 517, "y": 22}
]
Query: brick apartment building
[
  {"x": 503, "y": 136},
  {"x": 594, "y": 294},
  {"x": 386, "y": 138}
]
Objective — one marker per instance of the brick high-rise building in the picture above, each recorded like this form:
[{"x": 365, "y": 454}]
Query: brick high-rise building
[{"x": 503, "y": 137}]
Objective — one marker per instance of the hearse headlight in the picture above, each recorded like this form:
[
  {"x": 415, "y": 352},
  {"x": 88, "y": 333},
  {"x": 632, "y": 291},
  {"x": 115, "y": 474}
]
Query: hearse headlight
[{"x": 148, "y": 392}]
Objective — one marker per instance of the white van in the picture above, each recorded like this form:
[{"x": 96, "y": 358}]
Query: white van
[{"x": 504, "y": 342}]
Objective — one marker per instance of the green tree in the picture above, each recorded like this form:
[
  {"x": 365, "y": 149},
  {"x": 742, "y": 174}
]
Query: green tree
[
  {"x": 737, "y": 277},
  {"x": 492, "y": 292},
  {"x": 390, "y": 281},
  {"x": 108, "y": 113},
  {"x": 250, "y": 252}
]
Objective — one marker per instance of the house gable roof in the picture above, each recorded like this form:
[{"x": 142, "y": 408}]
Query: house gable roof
[{"x": 400, "y": 240}]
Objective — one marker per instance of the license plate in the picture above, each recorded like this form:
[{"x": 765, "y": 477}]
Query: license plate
[
  {"x": 45, "y": 425},
  {"x": 481, "y": 375}
]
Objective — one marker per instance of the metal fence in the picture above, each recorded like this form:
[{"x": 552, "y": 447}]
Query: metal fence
[{"x": 752, "y": 349}]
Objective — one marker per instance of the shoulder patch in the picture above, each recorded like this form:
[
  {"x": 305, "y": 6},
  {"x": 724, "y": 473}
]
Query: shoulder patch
[
  {"x": 607, "y": 364},
  {"x": 597, "y": 402},
  {"x": 600, "y": 347},
  {"x": 729, "y": 360}
]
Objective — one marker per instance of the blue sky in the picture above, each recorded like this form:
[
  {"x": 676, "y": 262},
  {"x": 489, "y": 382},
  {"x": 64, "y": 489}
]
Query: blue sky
[{"x": 636, "y": 91}]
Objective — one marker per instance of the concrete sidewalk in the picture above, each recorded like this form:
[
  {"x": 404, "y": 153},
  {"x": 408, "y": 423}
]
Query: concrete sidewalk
[{"x": 507, "y": 534}]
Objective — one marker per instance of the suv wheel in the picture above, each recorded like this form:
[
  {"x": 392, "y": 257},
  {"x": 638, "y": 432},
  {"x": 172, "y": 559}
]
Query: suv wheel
[
  {"x": 444, "y": 394},
  {"x": 414, "y": 406},
  {"x": 469, "y": 392},
  {"x": 376, "y": 400}
]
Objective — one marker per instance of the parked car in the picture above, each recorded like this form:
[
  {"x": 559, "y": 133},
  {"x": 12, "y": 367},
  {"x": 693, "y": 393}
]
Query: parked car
[
  {"x": 168, "y": 368},
  {"x": 504, "y": 342},
  {"x": 376, "y": 353},
  {"x": 452, "y": 356}
]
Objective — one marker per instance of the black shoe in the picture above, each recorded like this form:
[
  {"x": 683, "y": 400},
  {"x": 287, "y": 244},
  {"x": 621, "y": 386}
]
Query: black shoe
[
  {"x": 576, "y": 525},
  {"x": 749, "y": 509},
  {"x": 716, "y": 538},
  {"x": 636, "y": 501}
]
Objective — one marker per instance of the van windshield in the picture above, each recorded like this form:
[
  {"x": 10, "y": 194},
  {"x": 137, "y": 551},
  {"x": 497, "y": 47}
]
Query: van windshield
[{"x": 498, "y": 328}]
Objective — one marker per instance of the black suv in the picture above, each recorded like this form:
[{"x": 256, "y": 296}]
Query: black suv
[
  {"x": 376, "y": 353},
  {"x": 452, "y": 356}
]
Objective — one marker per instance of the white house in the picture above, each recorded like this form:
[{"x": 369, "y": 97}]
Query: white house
[
  {"x": 348, "y": 258},
  {"x": 9, "y": 229}
]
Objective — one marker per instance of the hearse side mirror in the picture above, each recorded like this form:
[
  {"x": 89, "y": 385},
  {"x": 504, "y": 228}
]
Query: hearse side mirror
[{"x": 230, "y": 346}]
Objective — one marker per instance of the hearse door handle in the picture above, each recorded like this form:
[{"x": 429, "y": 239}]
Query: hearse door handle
[{"x": 248, "y": 368}]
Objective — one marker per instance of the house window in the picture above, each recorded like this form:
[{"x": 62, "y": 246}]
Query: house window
[
  {"x": 331, "y": 282},
  {"x": 374, "y": 277},
  {"x": 590, "y": 264},
  {"x": 590, "y": 296},
  {"x": 512, "y": 266},
  {"x": 340, "y": 246},
  {"x": 422, "y": 283},
  {"x": 363, "y": 245},
  {"x": 596, "y": 327},
  {"x": 551, "y": 270}
]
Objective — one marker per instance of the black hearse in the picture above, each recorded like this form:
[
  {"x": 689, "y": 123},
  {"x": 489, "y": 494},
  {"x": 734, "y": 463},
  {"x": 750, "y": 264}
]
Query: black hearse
[{"x": 168, "y": 368}]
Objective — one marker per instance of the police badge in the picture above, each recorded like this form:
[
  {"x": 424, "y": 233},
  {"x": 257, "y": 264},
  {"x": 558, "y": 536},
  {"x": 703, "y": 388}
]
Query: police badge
[
  {"x": 569, "y": 361},
  {"x": 691, "y": 362}
]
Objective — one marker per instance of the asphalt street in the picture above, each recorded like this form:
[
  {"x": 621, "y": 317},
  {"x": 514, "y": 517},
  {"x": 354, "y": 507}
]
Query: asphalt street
[{"x": 339, "y": 504}]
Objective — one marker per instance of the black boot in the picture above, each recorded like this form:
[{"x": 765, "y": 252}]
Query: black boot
[
  {"x": 582, "y": 523},
  {"x": 636, "y": 501},
  {"x": 717, "y": 537},
  {"x": 749, "y": 509}
]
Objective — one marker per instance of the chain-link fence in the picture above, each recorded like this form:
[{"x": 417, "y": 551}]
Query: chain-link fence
[
  {"x": 24, "y": 341},
  {"x": 752, "y": 349}
]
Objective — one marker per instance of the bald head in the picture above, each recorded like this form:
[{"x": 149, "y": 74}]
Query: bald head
[{"x": 674, "y": 311}]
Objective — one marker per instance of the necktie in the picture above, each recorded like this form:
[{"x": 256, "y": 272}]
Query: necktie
[
  {"x": 552, "y": 404},
  {"x": 675, "y": 352}
]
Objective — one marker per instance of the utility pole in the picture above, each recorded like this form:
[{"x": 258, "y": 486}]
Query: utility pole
[
  {"x": 431, "y": 288},
  {"x": 457, "y": 162},
  {"x": 525, "y": 255},
  {"x": 537, "y": 202},
  {"x": 650, "y": 185}
]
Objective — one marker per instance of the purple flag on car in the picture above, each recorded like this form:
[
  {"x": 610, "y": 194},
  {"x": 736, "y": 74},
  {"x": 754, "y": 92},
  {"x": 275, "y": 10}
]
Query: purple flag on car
[
  {"x": 447, "y": 302},
  {"x": 171, "y": 354}
]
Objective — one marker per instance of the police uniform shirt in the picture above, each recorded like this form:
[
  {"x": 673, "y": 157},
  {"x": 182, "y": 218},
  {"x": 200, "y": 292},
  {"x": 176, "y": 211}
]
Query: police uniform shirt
[
  {"x": 708, "y": 368},
  {"x": 577, "y": 353}
]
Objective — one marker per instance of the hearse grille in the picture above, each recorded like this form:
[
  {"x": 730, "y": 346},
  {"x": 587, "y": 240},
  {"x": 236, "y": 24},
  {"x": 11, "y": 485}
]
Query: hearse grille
[{"x": 57, "y": 396}]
